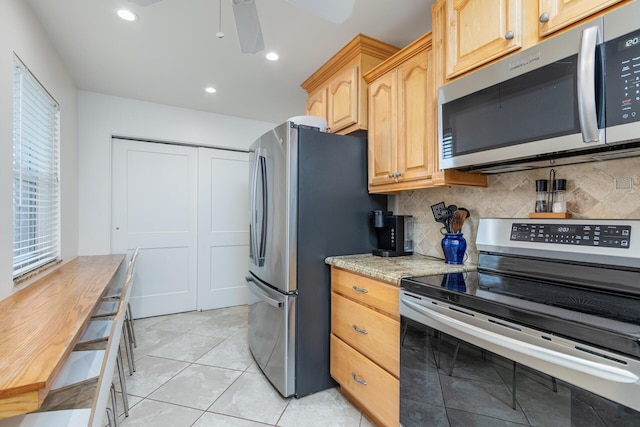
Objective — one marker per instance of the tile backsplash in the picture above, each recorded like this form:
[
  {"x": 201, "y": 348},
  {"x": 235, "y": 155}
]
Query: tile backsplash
[{"x": 602, "y": 190}]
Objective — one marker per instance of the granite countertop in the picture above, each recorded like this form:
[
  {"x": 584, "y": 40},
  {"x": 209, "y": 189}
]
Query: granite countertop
[{"x": 393, "y": 269}]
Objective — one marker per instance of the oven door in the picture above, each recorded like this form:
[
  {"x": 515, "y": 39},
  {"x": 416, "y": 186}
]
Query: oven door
[{"x": 459, "y": 367}]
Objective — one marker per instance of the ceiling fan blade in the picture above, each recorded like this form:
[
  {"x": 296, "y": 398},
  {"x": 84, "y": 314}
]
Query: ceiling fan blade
[
  {"x": 144, "y": 2},
  {"x": 336, "y": 11},
  {"x": 248, "y": 26}
]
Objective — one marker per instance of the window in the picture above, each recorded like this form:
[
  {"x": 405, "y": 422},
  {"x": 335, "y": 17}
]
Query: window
[{"x": 36, "y": 208}]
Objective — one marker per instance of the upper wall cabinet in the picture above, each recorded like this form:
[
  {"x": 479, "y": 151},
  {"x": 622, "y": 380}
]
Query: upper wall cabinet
[
  {"x": 337, "y": 91},
  {"x": 403, "y": 153},
  {"x": 481, "y": 30},
  {"x": 473, "y": 33},
  {"x": 555, "y": 15}
]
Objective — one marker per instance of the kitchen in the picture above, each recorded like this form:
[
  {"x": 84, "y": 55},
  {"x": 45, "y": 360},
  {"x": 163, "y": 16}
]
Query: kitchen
[{"x": 595, "y": 190}]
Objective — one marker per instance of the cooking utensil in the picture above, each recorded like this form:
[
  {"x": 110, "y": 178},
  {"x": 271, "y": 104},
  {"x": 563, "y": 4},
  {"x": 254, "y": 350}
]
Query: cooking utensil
[
  {"x": 446, "y": 219},
  {"x": 438, "y": 210},
  {"x": 447, "y": 215},
  {"x": 457, "y": 220}
]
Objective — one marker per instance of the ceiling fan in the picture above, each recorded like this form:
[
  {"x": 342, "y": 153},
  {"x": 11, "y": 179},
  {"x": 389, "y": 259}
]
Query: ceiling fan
[{"x": 248, "y": 23}]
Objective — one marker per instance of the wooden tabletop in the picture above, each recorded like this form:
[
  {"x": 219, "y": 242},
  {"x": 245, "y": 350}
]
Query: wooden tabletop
[{"x": 41, "y": 324}]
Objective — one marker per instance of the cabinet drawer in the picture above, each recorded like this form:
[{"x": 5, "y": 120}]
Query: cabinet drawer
[
  {"x": 373, "y": 334},
  {"x": 373, "y": 387},
  {"x": 377, "y": 294}
]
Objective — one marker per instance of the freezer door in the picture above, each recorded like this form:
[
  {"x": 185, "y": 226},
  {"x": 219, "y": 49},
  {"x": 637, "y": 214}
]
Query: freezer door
[
  {"x": 271, "y": 334},
  {"x": 272, "y": 207}
]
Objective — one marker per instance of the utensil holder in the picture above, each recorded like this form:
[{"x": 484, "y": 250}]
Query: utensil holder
[{"x": 454, "y": 246}]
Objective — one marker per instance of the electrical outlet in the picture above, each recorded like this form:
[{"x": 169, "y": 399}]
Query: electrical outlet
[{"x": 623, "y": 183}]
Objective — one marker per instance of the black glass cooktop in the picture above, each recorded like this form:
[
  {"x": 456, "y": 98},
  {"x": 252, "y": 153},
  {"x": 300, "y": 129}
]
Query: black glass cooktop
[{"x": 606, "y": 319}]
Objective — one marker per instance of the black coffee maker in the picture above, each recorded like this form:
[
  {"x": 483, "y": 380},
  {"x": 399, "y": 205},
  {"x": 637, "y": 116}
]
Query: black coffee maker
[{"x": 395, "y": 234}]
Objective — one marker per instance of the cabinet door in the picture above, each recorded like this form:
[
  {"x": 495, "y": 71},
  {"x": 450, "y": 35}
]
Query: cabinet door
[
  {"x": 481, "y": 30},
  {"x": 372, "y": 333},
  {"x": 366, "y": 290},
  {"x": 317, "y": 104},
  {"x": 382, "y": 130},
  {"x": 557, "y": 14},
  {"x": 371, "y": 386},
  {"x": 343, "y": 100},
  {"x": 415, "y": 118}
]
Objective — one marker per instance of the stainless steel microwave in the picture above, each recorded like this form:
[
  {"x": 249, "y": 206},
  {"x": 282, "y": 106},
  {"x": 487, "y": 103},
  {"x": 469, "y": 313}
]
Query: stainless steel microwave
[{"x": 570, "y": 99}]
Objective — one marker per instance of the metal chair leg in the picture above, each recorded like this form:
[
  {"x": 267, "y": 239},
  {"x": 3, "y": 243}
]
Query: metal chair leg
[
  {"x": 123, "y": 383},
  {"x": 131, "y": 321},
  {"x": 114, "y": 410}
]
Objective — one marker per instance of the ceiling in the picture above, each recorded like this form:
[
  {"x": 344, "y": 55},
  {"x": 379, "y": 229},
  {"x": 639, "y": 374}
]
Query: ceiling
[{"x": 172, "y": 53}]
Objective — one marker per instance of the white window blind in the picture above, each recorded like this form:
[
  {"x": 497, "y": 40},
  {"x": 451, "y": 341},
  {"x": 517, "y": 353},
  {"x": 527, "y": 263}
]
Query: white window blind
[{"x": 36, "y": 217}]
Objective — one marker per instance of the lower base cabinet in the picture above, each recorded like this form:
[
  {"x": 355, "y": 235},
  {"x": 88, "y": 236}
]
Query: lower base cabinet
[
  {"x": 372, "y": 388},
  {"x": 365, "y": 344}
]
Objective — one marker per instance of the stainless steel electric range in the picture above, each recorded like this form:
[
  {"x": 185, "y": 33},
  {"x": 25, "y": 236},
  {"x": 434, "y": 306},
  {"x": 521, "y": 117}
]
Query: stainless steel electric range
[{"x": 546, "y": 332}]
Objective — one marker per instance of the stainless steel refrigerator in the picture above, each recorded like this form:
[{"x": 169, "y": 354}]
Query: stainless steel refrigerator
[{"x": 308, "y": 200}]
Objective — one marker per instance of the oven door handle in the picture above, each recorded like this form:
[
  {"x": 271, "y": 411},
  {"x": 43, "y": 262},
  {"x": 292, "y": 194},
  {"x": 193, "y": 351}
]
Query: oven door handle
[{"x": 608, "y": 373}]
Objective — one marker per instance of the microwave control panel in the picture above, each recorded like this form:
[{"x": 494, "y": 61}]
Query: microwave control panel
[
  {"x": 612, "y": 236},
  {"x": 623, "y": 79}
]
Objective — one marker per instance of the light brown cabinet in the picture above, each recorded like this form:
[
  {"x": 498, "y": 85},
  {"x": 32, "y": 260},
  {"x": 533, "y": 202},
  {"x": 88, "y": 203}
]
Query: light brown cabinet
[
  {"x": 337, "y": 92},
  {"x": 555, "y": 15},
  {"x": 365, "y": 344},
  {"x": 468, "y": 34},
  {"x": 317, "y": 104},
  {"x": 402, "y": 145},
  {"x": 479, "y": 31}
]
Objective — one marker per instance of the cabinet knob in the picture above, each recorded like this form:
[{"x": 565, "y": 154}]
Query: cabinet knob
[
  {"x": 509, "y": 35},
  {"x": 398, "y": 174},
  {"x": 361, "y": 290},
  {"x": 391, "y": 175},
  {"x": 544, "y": 17}
]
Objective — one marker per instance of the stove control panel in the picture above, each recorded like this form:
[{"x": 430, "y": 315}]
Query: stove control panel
[{"x": 612, "y": 236}]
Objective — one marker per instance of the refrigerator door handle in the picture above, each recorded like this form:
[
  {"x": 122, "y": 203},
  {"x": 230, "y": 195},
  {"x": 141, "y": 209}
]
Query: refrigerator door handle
[
  {"x": 262, "y": 294},
  {"x": 252, "y": 209},
  {"x": 265, "y": 204},
  {"x": 253, "y": 247}
]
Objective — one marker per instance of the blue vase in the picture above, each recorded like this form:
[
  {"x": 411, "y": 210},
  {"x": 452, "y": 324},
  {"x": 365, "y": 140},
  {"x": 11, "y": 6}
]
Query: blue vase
[{"x": 454, "y": 247}]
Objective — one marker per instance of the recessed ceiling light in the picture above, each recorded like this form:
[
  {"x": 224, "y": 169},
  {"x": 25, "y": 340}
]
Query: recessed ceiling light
[
  {"x": 272, "y": 56},
  {"x": 127, "y": 15},
  {"x": 210, "y": 89}
]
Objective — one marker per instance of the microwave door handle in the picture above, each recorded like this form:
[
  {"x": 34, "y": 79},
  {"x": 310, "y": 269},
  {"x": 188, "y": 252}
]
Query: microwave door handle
[{"x": 586, "y": 84}]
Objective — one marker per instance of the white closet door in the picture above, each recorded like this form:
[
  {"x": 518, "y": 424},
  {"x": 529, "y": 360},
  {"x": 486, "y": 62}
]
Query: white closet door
[
  {"x": 223, "y": 228},
  {"x": 154, "y": 206}
]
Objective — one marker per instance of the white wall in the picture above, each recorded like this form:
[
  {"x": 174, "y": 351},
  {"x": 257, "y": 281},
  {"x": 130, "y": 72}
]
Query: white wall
[
  {"x": 102, "y": 116},
  {"x": 22, "y": 34}
]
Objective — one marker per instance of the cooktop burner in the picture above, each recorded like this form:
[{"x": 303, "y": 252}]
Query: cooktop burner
[{"x": 612, "y": 319}]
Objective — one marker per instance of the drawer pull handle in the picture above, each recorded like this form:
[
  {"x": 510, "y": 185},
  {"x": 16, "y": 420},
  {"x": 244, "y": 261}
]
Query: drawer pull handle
[
  {"x": 357, "y": 289},
  {"x": 358, "y": 380},
  {"x": 362, "y": 331}
]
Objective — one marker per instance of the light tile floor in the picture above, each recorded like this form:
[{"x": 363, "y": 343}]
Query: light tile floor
[{"x": 195, "y": 369}]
